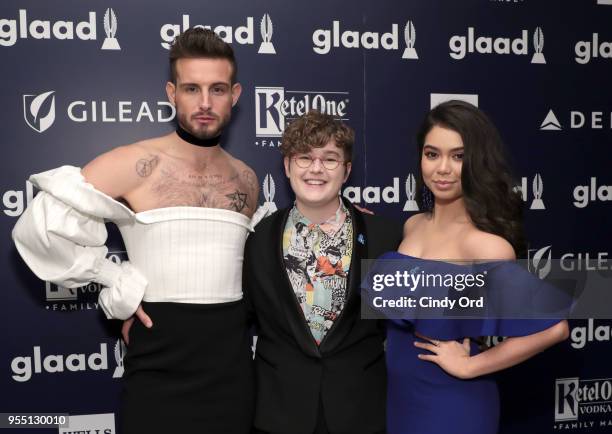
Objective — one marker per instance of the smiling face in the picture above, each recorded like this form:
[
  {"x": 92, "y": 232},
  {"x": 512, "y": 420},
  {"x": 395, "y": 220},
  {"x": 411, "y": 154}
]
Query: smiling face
[
  {"x": 441, "y": 163},
  {"x": 317, "y": 188},
  {"x": 203, "y": 95}
]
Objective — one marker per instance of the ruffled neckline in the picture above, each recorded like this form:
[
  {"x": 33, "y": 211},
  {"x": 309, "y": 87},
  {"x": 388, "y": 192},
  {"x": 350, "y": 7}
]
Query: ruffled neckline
[{"x": 400, "y": 255}]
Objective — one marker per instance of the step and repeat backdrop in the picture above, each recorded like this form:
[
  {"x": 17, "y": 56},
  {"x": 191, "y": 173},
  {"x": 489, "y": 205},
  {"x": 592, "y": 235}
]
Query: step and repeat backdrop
[{"x": 81, "y": 77}]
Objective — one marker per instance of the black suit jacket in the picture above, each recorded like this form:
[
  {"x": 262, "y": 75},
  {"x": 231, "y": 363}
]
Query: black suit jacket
[{"x": 347, "y": 371}]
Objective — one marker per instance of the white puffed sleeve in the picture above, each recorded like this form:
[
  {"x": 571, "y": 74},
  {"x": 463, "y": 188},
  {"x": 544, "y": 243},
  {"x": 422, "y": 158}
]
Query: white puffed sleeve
[{"x": 61, "y": 237}]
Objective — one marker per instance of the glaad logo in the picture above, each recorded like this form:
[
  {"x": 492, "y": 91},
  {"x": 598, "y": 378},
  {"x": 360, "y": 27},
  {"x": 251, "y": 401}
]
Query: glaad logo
[
  {"x": 460, "y": 46},
  {"x": 110, "y": 28},
  {"x": 411, "y": 204},
  {"x": 325, "y": 39},
  {"x": 584, "y": 194},
  {"x": 587, "y": 50},
  {"x": 269, "y": 190},
  {"x": 388, "y": 194},
  {"x": 120, "y": 350},
  {"x": 575, "y": 397},
  {"x": 53, "y": 363},
  {"x": 39, "y": 111},
  {"x": 581, "y": 335},
  {"x": 410, "y": 38},
  {"x": 90, "y": 424},
  {"x": 243, "y": 35},
  {"x": 536, "y": 263},
  {"x": 550, "y": 122},
  {"x": 16, "y": 201},
  {"x": 538, "y": 189},
  {"x": 266, "y": 28},
  {"x": 538, "y": 45},
  {"x": 13, "y": 29},
  {"x": 275, "y": 106}
]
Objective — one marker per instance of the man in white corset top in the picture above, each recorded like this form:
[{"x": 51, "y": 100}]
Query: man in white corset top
[{"x": 184, "y": 207}]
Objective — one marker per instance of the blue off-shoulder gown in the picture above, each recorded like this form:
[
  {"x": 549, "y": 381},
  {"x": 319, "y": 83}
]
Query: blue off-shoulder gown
[{"x": 422, "y": 398}]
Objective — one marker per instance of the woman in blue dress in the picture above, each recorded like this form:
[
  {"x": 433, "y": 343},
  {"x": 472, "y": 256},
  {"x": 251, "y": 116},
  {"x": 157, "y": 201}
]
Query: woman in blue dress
[{"x": 438, "y": 380}]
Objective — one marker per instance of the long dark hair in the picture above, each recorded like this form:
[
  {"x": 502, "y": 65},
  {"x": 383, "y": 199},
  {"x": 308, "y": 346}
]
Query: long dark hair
[{"x": 486, "y": 179}]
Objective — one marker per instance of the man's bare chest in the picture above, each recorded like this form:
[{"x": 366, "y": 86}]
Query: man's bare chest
[{"x": 223, "y": 188}]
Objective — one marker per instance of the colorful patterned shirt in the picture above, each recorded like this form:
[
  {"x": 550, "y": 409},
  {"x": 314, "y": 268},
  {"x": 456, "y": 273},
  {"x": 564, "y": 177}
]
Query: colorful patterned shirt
[{"x": 317, "y": 259}]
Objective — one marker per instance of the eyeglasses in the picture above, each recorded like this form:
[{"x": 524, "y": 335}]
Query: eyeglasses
[{"x": 305, "y": 161}]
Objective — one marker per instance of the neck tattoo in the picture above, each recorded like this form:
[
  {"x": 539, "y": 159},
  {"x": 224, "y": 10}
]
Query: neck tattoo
[{"x": 190, "y": 138}]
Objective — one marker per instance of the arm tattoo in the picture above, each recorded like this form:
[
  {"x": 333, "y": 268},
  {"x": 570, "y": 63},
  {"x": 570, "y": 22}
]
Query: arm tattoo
[
  {"x": 144, "y": 166},
  {"x": 238, "y": 200}
]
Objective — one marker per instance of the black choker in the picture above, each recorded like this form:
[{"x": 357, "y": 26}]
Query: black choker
[{"x": 190, "y": 138}]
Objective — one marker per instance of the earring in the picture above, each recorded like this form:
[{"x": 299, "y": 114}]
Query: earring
[{"x": 427, "y": 199}]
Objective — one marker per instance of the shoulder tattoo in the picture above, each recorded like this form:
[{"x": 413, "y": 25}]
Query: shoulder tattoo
[{"x": 145, "y": 166}]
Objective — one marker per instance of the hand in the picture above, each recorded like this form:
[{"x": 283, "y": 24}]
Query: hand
[
  {"x": 363, "y": 210},
  {"x": 451, "y": 356},
  {"x": 127, "y": 324}
]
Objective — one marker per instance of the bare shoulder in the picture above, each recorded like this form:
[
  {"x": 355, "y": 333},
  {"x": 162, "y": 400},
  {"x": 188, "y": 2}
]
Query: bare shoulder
[
  {"x": 122, "y": 169},
  {"x": 239, "y": 165},
  {"x": 413, "y": 222},
  {"x": 248, "y": 180},
  {"x": 482, "y": 245},
  {"x": 247, "y": 175}
]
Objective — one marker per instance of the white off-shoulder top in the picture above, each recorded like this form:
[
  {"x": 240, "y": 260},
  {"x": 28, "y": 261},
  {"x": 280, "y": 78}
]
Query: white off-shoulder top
[{"x": 176, "y": 254}]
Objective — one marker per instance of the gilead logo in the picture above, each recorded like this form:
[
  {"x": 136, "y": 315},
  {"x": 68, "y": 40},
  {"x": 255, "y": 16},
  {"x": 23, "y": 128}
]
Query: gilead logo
[
  {"x": 25, "y": 366},
  {"x": 39, "y": 111}
]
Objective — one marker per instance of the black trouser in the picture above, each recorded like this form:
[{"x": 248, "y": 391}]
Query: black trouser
[{"x": 320, "y": 426}]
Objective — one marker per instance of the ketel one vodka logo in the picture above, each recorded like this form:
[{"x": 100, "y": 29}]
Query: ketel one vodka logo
[
  {"x": 60, "y": 298},
  {"x": 39, "y": 111},
  {"x": 275, "y": 106},
  {"x": 325, "y": 39},
  {"x": 577, "y": 398},
  {"x": 460, "y": 46},
  {"x": 243, "y": 35},
  {"x": 22, "y": 28}
]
